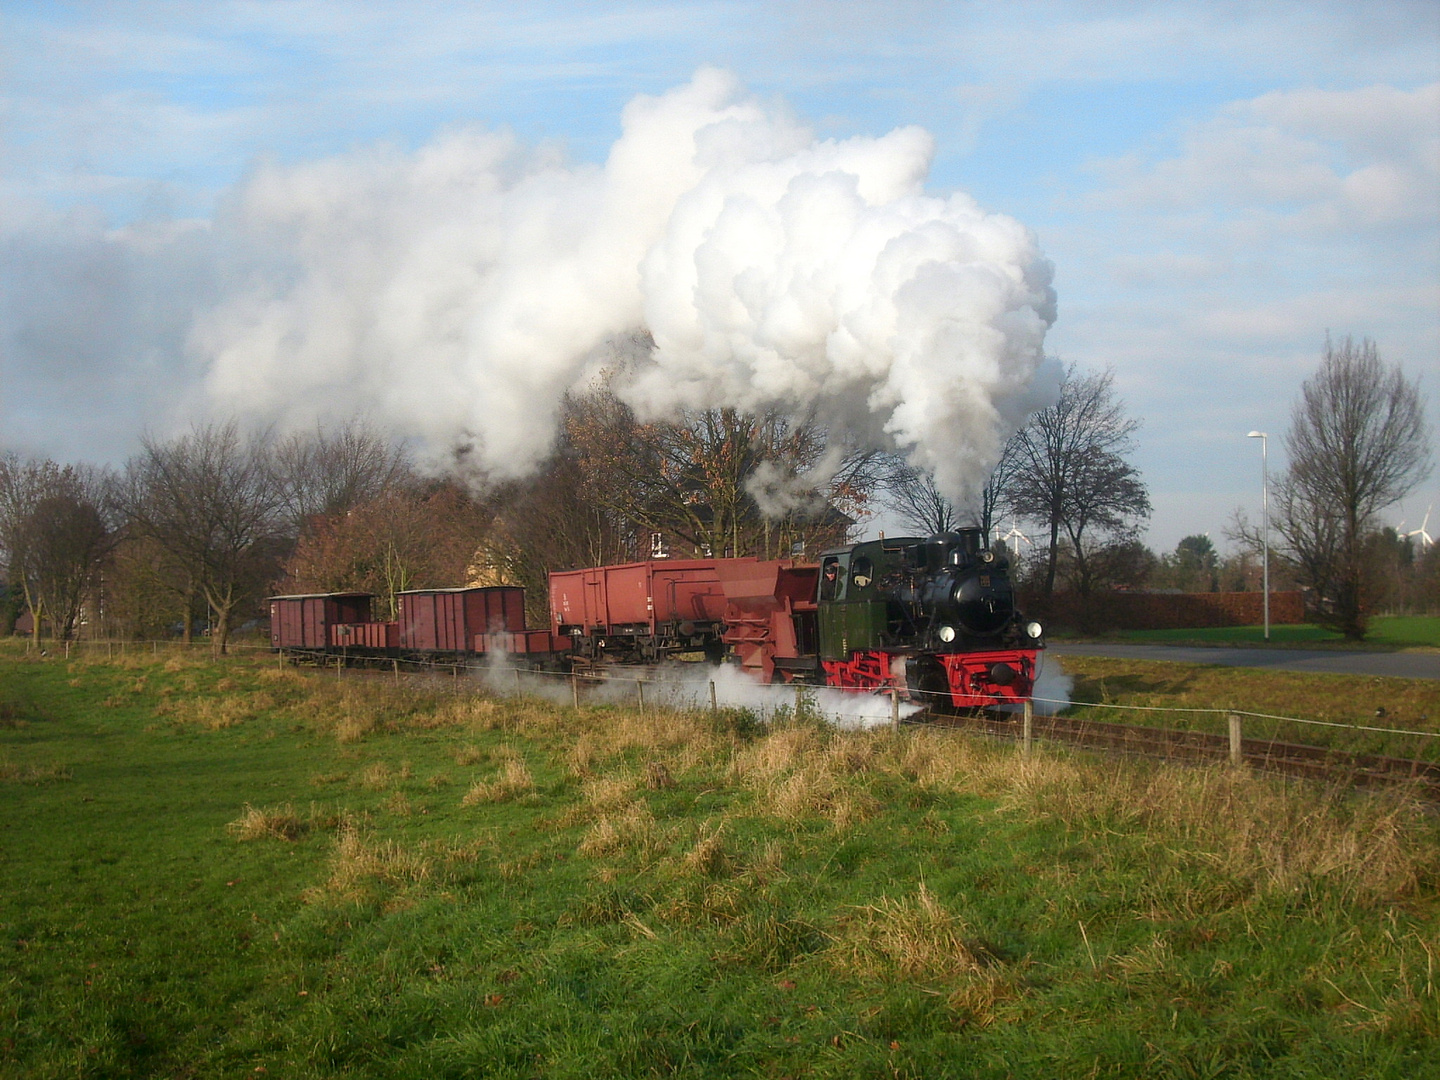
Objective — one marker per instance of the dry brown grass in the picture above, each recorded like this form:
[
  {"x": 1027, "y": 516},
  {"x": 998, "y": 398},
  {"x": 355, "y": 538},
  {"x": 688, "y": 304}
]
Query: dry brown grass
[
  {"x": 710, "y": 857},
  {"x": 359, "y": 868},
  {"x": 470, "y": 754},
  {"x": 481, "y": 714},
  {"x": 584, "y": 754},
  {"x": 631, "y": 831},
  {"x": 377, "y": 777},
  {"x": 399, "y": 804},
  {"x": 268, "y": 823},
  {"x": 1267, "y": 833},
  {"x": 352, "y": 710},
  {"x": 32, "y": 774},
  {"x": 513, "y": 782},
  {"x": 679, "y": 741},
  {"x": 801, "y": 772},
  {"x": 913, "y": 938},
  {"x": 605, "y": 795},
  {"x": 282, "y": 676},
  {"x": 1153, "y": 958},
  {"x": 217, "y": 713}
]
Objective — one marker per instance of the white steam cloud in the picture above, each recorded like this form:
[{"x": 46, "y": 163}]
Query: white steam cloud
[{"x": 459, "y": 291}]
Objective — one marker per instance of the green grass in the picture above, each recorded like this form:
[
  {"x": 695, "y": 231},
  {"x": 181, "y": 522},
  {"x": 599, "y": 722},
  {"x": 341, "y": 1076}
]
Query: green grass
[
  {"x": 1354, "y": 711},
  {"x": 1386, "y": 631},
  {"x": 219, "y": 869}
]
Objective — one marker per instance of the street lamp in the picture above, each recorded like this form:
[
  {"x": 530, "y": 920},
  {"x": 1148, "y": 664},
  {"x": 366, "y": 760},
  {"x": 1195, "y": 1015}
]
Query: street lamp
[{"x": 1265, "y": 517}]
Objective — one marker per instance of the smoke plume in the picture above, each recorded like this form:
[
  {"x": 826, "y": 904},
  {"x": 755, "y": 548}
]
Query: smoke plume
[{"x": 460, "y": 290}]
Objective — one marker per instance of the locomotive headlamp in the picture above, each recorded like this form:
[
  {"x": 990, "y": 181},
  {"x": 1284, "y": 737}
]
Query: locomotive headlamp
[
  {"x": 987, "y": 556},
  {"x": 1034, "y": 629},
  {"x": 947, "y": 634}
]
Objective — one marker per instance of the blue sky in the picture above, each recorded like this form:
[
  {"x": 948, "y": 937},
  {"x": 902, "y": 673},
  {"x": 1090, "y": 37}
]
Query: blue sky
[{"x": 1217, "y": 185}]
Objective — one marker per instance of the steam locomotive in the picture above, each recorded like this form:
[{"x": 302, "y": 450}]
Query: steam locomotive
[{"x": 931, "y": 618}]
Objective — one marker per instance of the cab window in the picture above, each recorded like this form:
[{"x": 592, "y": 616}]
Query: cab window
[
  {"x": 832, "y": 580},
  {"x": 862, "y": 572}
]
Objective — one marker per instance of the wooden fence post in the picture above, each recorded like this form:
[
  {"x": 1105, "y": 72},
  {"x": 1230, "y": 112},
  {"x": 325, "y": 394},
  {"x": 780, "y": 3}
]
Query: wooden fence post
[
  {"x": 1235, "y": 755},
  {"x": 714, "y": 708},
  {"x": 895, "y": 708},
  {"x": 640, "y": 691},
  {"x": 575, "y": 690},
  {"x": 1027, "y": 733}
]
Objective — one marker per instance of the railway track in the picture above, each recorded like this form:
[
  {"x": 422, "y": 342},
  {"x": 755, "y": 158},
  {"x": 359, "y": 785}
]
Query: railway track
[{"x": 1269, "y": 755}]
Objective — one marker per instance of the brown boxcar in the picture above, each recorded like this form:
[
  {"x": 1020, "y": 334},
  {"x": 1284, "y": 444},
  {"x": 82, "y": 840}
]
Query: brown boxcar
[
  {"x": 447, "y": 620},
  {"x": 304, "y": 621}
]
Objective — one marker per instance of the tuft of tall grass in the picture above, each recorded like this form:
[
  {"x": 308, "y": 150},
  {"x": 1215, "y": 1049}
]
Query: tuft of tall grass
[
  {"x": 32, "y": 774},
  {"x": 513, "y": 782},
  {"x": 632, "y": 831},
  {"x": 801, "y": 771},
  {"x": 359, "y": 868},
  {"x": 710, "y": 856},
  {"x": 912, "y": 938},
  {"x": 217, "y": 713},
  {"x": 268, "y": 823}
]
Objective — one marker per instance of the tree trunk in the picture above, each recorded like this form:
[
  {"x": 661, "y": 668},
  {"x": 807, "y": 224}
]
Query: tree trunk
[{"x": 1053, "y": 555}]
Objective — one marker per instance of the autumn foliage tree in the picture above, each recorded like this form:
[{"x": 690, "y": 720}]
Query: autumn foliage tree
[
  {"x": 425, "y": 534},
  {"x": 718, "y": 481}
]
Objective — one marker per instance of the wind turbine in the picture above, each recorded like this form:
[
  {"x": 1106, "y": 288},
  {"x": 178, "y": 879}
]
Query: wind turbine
[
  {"x": 1425, "y": 538},
  {"x": 1016, "y": 535}
]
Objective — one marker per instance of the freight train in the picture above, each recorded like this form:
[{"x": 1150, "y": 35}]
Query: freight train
[{"x": 933, "y": 619}]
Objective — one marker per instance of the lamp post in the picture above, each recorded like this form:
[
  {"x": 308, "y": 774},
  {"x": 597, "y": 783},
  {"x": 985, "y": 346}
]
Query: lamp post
[{"x": 1265, "y": 518}]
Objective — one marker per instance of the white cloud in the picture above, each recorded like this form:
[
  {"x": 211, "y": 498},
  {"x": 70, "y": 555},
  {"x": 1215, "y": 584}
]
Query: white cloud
[{"x": 1323, "y": 159}]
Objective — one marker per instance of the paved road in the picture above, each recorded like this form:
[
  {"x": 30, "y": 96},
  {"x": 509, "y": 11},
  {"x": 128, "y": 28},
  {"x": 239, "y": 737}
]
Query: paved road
[{"x": 1412, "y": 665}]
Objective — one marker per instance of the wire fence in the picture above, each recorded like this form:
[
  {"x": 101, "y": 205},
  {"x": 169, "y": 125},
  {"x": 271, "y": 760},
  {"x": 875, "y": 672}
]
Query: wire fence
[{"x": 650, "y": 689}]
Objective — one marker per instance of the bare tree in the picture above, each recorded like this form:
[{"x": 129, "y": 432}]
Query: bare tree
[
  {"x": 1071, "y": 473},
  {"x": 211, "y": 501},
  {"x": 911, "y": 494},
  {"x": 53, "y": 536},
  {"x": 335, "y": 470},
  {"x": 1357, "y": 443}
]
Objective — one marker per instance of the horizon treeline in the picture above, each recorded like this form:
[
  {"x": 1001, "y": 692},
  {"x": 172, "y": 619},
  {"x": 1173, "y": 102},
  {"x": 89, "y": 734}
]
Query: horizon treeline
[{"x": 194, "y": 531}]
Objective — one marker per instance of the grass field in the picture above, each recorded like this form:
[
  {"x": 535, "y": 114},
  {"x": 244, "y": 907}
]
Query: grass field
[
  {"x": 229, "y": 869},
  {"x": 1385, "y": 632},
  {"x": 1358, "y": 704}
]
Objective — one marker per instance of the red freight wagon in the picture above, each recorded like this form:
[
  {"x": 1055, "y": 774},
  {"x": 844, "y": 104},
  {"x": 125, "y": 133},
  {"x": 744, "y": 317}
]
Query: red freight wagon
[
  {"x": 770, "y": 618},
  {"x": 365, "y": 636},
  {"x": 447, "y": 620},
  {"x": 304, "y": 621},
  {"x": 663, "y": 605}
]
